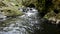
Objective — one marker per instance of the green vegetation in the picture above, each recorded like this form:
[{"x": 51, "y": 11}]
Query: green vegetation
[
  {"x": 10, "y": 7},
  {"x": 38, "y": 4},
  {"x": 53, "y": 9}
]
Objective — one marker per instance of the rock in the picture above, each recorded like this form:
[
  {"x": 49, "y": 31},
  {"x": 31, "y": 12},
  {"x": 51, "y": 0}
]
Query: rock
[
  {"x": 29, "y": 11},
  {"x": 2, "y": 17},
  {"x": 10, "y": 7},
  {"x": 53, "y": 20},
  {"x": 10, "y": 11},
  {"x": 53, "y": 17}
]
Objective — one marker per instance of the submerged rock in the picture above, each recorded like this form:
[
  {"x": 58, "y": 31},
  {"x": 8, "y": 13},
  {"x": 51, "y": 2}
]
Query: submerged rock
[{"x": 29, "y": 11}]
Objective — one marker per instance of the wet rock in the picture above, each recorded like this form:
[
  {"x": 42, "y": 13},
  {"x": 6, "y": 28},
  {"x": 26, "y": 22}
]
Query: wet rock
[
  {"x": 28, "y": 12},
  {"x": 2, "y": 17}
]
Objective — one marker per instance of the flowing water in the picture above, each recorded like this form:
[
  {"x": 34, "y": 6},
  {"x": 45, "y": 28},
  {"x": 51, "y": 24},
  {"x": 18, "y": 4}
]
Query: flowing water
[{"x": 29, "y": 23}]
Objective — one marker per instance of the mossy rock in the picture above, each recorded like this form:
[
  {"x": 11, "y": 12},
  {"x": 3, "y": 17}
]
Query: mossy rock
[
  {"x": 10, "y": 11},
  {"x": 50, "y": 14},
  {"x": 10, "y": 7}
]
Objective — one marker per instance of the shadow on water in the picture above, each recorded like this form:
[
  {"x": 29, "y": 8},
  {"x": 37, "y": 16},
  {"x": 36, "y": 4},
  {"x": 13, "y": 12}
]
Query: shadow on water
[{"x": 48, "y": 29}]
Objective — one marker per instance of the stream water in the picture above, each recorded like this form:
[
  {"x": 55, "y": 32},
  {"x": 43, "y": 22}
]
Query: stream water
[{"x": 29, "y": 23}]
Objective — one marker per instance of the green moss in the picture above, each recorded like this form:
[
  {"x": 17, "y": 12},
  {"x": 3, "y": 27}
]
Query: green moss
[
  {"x": 50, "y": 14},
  {"x": 10, "y": 7},
  {"x": 10, "y": 11},
  {"x": 54, "y": 6}
]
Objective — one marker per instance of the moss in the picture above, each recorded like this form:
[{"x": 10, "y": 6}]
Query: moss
[
  {"x": 10, "y": 11},
  {"x": 50, "y": 14},
  {"x": 10, "y": 7},
  {"x": 55, "y": 9}
]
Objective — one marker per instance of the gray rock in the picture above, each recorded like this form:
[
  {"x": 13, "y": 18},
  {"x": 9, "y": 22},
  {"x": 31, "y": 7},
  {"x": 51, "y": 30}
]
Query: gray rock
[{"x": 2, "y": 17}]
